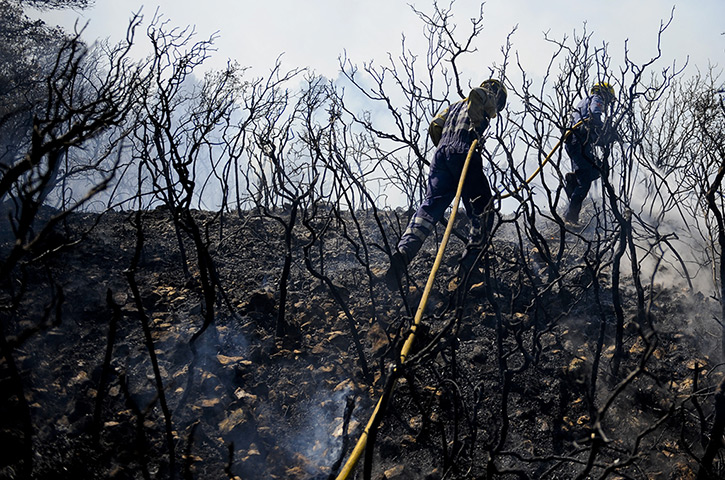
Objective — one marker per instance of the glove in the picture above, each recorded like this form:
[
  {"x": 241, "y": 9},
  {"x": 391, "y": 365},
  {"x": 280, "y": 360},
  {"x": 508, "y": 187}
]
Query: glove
[{"x": 480, "y": 129}]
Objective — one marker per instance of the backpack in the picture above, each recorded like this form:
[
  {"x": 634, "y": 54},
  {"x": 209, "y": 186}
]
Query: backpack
[{"x": 480, "y": 107}]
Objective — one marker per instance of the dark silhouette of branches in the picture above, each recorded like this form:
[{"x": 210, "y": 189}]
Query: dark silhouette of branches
[{"x": 278, "y": 200}]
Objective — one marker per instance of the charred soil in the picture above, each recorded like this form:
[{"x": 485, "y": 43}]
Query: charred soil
[{"x": 117, "y": 363}]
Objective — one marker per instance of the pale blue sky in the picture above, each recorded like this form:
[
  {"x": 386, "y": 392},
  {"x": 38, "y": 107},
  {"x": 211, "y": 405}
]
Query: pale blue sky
[{"x": 314, "y": 33}]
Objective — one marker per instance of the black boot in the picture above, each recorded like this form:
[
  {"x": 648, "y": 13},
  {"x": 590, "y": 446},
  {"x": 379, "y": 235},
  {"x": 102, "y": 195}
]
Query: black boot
[
  {"x": 469, "y": 259},
  {"x": 572, "y": 213},
  {"x": 570, "y": 184},
  {"x": 393, "y": 278}
]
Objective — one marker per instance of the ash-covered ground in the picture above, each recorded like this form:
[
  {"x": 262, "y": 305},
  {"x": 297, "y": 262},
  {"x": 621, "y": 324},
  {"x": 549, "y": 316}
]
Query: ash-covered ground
[{"x": 118, "y": 364}]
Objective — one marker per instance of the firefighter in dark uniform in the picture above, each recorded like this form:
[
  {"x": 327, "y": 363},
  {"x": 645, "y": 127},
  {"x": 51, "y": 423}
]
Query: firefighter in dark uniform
[
  {"x": 453, "y": 133},
  {"x": 579, "y": 145}
]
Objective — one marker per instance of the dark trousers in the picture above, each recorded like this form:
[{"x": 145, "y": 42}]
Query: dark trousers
[
  {"x": 445, "y": 172},
  {"x": 584, "y": 172}
]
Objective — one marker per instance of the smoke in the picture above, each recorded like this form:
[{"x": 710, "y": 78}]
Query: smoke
[
  {"x": 320, "y": 439},
  {"x": 302, "y": 436},
  {"x": 675, "y": 247}
]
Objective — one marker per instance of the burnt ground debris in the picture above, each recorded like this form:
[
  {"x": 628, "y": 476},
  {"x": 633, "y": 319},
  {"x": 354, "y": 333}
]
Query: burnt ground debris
[{"x": 519, "y": 385}]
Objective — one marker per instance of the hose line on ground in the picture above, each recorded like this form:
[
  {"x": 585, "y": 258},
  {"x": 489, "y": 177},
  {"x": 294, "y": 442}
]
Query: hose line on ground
[
  {"x": 362, "y": 442},
  {"x": 546, "y": 160}
]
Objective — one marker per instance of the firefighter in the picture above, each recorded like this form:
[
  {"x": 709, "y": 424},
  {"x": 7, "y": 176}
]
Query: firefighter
[
  {"x": 579, "y": 145},
  {"x": 453, "y": 132}
]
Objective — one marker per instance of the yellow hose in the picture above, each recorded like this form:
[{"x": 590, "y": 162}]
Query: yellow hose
[
  {"x": 546, "y": 160},
  {"x": 362, "y": 442},
  {"x": 439, "y": 257}
]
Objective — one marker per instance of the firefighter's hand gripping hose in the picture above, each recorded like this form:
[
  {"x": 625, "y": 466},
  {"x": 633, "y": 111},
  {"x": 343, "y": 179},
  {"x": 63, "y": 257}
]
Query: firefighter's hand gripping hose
[{"x": 362, "y": 442}]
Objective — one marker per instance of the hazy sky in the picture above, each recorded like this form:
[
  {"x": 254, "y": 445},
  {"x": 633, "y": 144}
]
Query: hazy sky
[{"x": 314, "y": 33}]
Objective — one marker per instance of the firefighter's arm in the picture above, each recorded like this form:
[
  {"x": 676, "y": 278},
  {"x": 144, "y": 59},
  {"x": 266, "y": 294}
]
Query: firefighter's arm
[{"x": 480, "y": 109}]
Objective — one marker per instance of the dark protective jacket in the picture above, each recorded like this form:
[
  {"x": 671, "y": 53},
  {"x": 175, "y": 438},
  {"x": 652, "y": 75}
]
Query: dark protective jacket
[{"x": 453, "y": 132}]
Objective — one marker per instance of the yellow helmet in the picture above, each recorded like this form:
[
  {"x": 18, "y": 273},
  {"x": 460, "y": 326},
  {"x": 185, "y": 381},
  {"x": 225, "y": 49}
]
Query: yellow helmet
[
  {"x": 605, "y": 89},
  {"x": 497, "y": 90}
]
